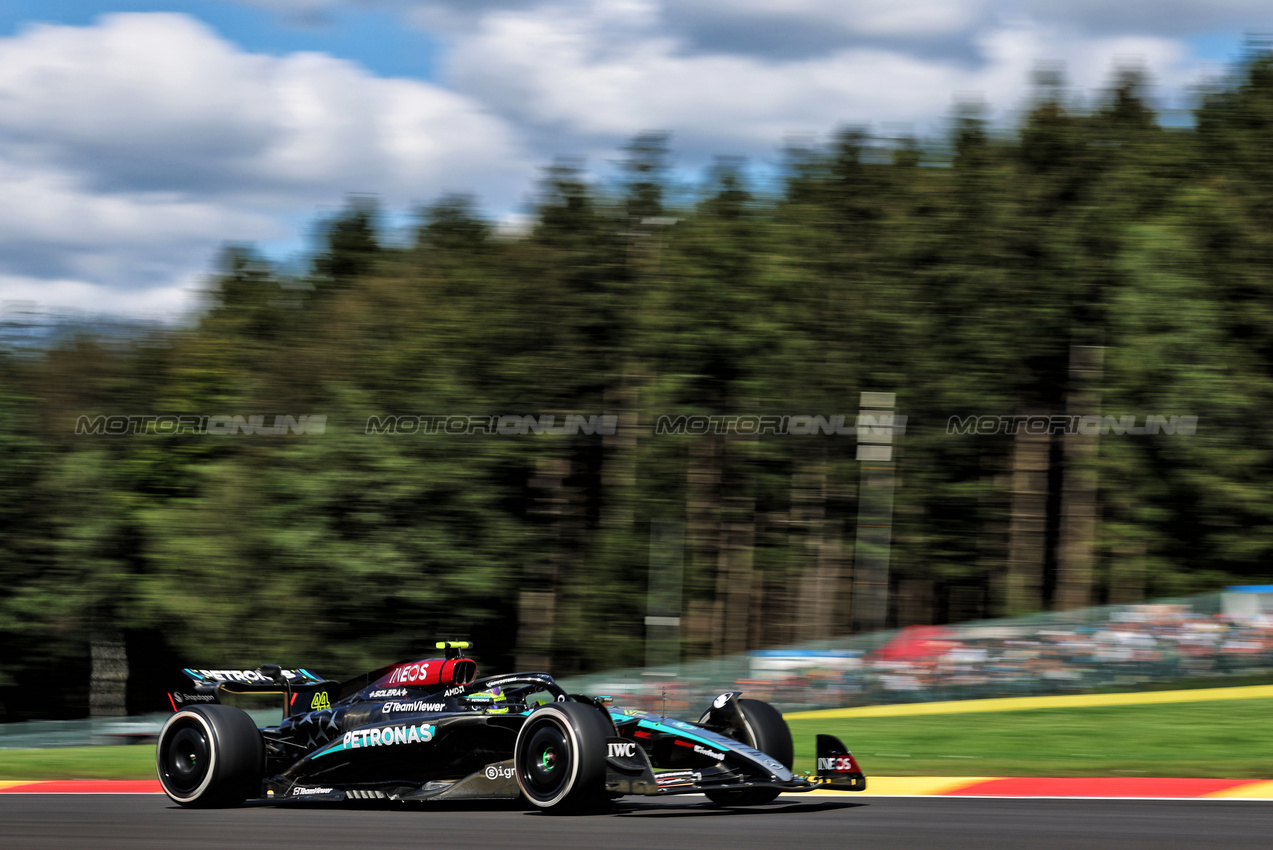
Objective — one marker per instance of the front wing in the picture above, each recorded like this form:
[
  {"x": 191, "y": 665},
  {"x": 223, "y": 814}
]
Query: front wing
[{"x": 629, "y": 771}]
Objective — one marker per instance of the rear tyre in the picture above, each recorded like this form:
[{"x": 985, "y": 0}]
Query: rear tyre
[
  {"x": 560, "y": 758},
  {"x": 210, "y": 756},
  {"x": 762, "y": 728}
]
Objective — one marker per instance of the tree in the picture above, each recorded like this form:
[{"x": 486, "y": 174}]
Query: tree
[{"x": 350, "y": 245}]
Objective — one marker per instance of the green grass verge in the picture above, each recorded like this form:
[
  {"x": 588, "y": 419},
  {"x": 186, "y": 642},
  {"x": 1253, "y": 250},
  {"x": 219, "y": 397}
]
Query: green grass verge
[
  {"x": 1232, "y": 739},
  {"x": 123, "y": 762}
]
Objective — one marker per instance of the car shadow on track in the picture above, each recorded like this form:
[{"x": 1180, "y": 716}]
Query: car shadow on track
[
  {"x": 624, "y": 809},
  {"x": 410, "y": 807},
  {"x": 708, "y": 810}
]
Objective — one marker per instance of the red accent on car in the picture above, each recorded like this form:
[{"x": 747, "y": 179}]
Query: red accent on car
[
  {"x": 430, "y": 671},
  {"x": 173, "y": 704},
  {"x": 459, "y": 671}
]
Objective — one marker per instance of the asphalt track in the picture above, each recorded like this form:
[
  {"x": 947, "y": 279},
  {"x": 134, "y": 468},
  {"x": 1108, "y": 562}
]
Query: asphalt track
[{"x": 145, "y": 821}]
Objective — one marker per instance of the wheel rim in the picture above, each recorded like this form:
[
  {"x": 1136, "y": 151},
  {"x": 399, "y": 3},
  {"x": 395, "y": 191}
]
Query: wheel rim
[
  {"x": 187, "y": 758},
  {"x": 547, "y": 761}
]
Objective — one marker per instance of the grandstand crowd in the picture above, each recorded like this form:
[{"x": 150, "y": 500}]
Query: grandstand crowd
[{"x": 1128, "y": 648}]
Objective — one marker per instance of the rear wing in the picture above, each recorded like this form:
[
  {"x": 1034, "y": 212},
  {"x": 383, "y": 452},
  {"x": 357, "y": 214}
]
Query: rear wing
[{"x": 301, "y": 690}]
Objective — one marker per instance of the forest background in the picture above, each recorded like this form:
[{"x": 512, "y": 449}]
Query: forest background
[{"x": 1088, "y": 262}]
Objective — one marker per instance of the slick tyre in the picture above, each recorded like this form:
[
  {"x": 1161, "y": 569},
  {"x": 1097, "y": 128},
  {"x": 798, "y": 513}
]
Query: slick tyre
[
  {"x": 210, "y": 756},
  {"x": 762, "y": 728},
  {"x": 560, "y": 758}
]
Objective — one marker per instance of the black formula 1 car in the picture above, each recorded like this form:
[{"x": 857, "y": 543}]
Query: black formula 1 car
[{"x": 432, "y": 730}]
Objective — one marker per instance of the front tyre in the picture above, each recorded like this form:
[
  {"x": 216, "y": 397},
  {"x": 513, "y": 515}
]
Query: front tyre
[
  {"x": 210, "y": 756},
  {"x": 560, "y": 757},
  {"x": 761, "y": 728}
]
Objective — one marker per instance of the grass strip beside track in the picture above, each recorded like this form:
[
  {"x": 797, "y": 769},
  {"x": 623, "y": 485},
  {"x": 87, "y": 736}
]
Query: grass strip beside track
[
  {"x": 974, "y": 706},
  {"x": 120, "y": 762},
  {"x": 1222, "y": 739},
  {"x": 1206, "y": 735}
]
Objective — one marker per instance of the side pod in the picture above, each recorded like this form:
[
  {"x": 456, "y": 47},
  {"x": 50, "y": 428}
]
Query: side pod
[{"x": 836, "y": 766}]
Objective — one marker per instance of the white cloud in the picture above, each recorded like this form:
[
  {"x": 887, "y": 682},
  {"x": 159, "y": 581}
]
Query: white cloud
[
  {"x": 559, "y": 70},
  {"x": 949, "y": 28},
  {"x": 908, "y": 19},
  {"x": 1176, "y": 18},
  {"x": 791, "y": 28},
  {"x": 130, "y": 149},
  {"x": 59, "y": 296},
  {"x": 160, "y": 101}
]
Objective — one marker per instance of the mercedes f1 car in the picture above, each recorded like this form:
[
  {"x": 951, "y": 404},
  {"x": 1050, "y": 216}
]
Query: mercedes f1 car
[{"x": 433, "y": 730}]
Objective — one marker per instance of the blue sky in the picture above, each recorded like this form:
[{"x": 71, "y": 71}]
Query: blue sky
[
  {"x": 139, "y": 137},
  {"x": 373, "y": 37}
]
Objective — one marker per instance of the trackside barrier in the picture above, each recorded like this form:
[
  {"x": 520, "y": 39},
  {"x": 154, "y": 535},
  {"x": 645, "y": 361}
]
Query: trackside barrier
[
  {"x": 139, "y": 729},
  {"x": 1210, "y": 638}
]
